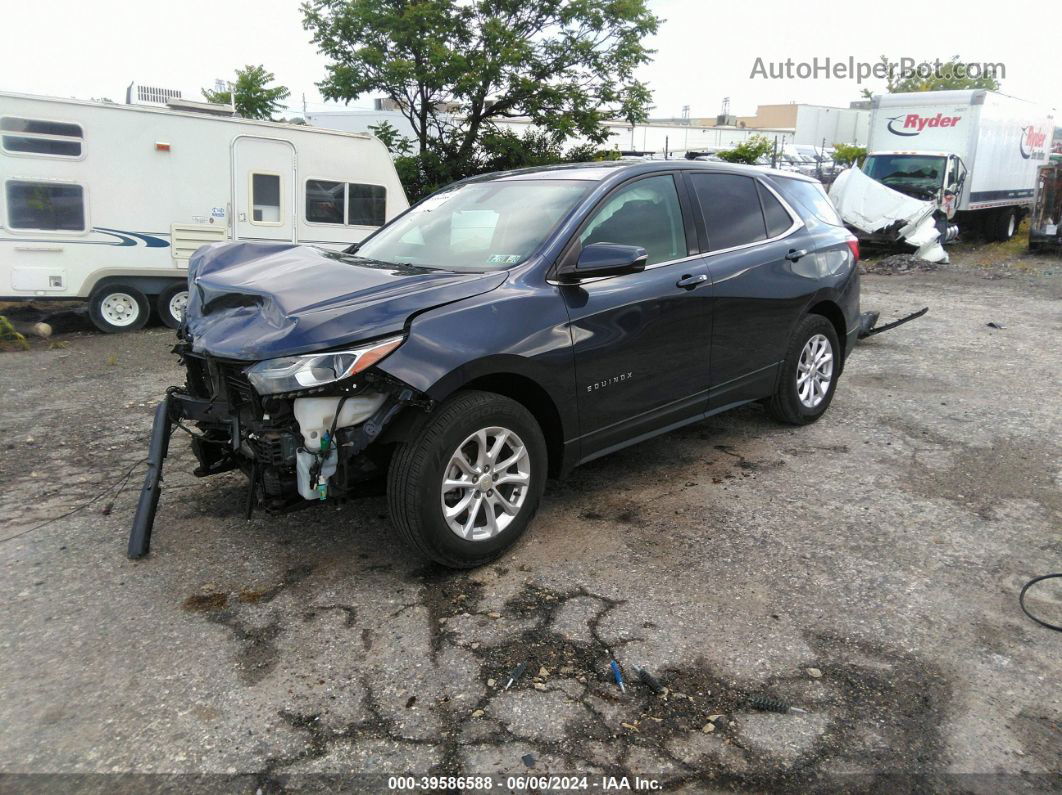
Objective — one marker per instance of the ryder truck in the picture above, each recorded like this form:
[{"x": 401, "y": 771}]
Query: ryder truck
[{"x": 974, "y": 153}]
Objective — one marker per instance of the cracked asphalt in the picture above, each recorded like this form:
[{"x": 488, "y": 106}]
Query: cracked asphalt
[{"x": 865, "y": 569}]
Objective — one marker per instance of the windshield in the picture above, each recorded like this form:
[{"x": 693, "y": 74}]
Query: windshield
[
  {"x": 915, "y": 175},
  {"x": 480, "y": 226}
]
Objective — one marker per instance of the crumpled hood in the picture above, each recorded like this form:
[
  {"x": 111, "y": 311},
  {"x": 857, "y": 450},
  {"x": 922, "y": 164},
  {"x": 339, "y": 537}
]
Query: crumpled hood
[
  {"x": 254, "y": 301},
  {"x": 870, "y": 206}
]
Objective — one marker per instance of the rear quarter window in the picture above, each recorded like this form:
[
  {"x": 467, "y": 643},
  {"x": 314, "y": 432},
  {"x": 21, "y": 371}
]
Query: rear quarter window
[{"x": 809, "y": 199}]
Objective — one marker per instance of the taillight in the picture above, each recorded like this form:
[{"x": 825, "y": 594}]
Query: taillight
[{"x": 853, "y": 244}]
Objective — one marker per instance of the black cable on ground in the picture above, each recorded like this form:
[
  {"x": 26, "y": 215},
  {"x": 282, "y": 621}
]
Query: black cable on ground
[
  {"x": 117, "y": 487},
  {"x": 1021, "y": 601}
]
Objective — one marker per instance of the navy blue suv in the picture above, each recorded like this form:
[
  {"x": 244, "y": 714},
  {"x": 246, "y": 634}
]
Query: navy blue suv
[{"x": 505, "y": 329}]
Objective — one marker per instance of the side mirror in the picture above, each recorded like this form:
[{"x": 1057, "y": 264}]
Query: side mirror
[{"x": 607, "y": 259}]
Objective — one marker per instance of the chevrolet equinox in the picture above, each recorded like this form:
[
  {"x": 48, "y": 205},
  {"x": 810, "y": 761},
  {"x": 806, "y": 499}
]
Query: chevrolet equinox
[{"x": 504, "y": 329}]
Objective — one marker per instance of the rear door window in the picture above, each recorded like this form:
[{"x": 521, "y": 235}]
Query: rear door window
[{"x": 731, "y": 209}]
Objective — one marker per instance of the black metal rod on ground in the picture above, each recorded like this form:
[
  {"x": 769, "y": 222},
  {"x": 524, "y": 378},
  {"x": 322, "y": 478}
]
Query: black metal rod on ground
[
  {"x": 140, "y": 535},
  {"x": 869, "y": 330}
]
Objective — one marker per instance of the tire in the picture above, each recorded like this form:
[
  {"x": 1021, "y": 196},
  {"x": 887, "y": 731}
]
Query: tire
[
  {"x": 118, "y": 307},
  {"x": 1004, "y": 225},
  {"x": 171, "y": 303},
  {"x": 415, "y": 480},
  {"x": 787, "y": 404}
]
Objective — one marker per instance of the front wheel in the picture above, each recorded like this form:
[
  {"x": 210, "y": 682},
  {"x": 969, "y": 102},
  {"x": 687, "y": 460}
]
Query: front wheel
[
  {"x": 809, "y": 373},
  {"x": 465, "y": 489}
]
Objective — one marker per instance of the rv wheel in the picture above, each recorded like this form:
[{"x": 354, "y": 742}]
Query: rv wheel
[
  {"x": 118, "y": 307},
  {"x": 171, "y": 304}
]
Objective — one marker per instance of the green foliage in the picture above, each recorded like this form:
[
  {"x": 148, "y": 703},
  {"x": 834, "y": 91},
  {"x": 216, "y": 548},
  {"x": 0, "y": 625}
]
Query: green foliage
[
  {"x": 396, "y": 143},
  {"x": 498, "y": 150},
  {"x": 589, "y": 152},
  {"x": 849, "y": 154},
  {"x": 949, "y": 77},
  {"x": 254, "y": 99},
  {"x": 748, "y": 151},
  {"x": 454, "y": 67},
  {"x": 9, "y": 335}
]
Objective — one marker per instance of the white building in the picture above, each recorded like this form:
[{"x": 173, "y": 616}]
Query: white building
[{"x": 656, "y": 138}]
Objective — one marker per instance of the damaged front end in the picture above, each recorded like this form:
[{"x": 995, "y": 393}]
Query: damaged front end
[
  {"x": 882, "y": 216},
  {"x": 274, "y": 386},
  {"x": 299, "y": 427}
]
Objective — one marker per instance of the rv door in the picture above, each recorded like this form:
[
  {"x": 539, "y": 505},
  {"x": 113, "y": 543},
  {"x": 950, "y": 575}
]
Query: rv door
[{"x": 263, "y": 189}]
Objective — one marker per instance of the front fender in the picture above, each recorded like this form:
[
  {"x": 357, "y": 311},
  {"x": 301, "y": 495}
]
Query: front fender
[{"x": 516, "y": 329}]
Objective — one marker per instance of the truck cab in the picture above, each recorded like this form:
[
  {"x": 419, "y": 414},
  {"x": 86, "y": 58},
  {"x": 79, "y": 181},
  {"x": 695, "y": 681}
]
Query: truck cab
[{"x": 933, "y": 176}]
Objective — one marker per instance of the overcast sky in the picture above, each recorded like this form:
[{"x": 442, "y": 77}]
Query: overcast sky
[{"x": 705, "y": 51}]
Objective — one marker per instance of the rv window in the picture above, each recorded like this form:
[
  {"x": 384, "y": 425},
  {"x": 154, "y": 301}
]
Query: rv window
[
  {"x": 46, "y": 206},
  {"x": 265, "y": 198},
  {"x": 368, "y": 205},
  {"x": 30, "y": 136},
  {"x": 325, "y": 201}
]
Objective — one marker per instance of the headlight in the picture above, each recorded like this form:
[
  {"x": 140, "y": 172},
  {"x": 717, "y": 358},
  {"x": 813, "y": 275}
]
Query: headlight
[{"x": 297, "y": 373}]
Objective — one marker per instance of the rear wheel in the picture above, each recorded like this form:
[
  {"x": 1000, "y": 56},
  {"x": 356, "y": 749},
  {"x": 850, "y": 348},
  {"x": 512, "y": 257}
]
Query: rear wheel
[
  {"x": 171, "y": 304},
  {"x": 809, "y": 373},
  {"x": 467, "y": 487},
  {"x": 118, "y": 307}
]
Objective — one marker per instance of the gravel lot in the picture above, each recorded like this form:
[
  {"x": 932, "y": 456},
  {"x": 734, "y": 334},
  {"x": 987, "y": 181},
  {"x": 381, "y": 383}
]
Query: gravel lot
[{"x": 865, "y": 568}]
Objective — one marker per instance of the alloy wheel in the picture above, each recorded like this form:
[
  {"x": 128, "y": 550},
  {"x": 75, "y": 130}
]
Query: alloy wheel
[
  {"x": 814, "y": 371},
  {"x": 485, "y": 483}
]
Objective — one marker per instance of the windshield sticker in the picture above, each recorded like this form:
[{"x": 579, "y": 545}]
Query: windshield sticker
[
  {"x": 503, "y": 259},
  {"x": 433, "y": 202}
]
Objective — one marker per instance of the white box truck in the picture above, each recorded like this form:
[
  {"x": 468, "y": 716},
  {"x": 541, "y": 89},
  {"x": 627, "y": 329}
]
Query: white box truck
[
  {"x": 107, "y": 202},
  {"x": 974, "y": 153}
]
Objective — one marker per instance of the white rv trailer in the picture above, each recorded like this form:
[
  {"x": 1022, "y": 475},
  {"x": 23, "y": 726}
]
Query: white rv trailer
[{"x": 107, "y": 202}]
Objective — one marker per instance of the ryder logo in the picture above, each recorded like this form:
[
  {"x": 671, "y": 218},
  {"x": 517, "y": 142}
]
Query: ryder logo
[
  {"x": 913, "y": 123},
  {"x": 1031, "y": 140}
]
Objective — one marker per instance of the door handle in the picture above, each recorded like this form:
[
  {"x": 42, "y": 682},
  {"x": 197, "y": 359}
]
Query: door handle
[
  {"x": 796, "y": 253},
  {"x": 689, "y": 282}
]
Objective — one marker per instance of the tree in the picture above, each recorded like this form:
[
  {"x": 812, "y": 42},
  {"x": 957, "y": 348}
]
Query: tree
[
  {"x": 946, "y": 76},
  {"x": 396, "y": 143},
  {"x": 454, "y": 67},
  {"x": 849, "y": 154},
  {"x": 748, "y": 151},
  {"x": 253, "y": 97}
]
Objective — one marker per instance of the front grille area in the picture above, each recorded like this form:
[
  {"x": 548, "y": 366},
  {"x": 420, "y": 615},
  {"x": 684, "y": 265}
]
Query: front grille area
[
  {"x": 239, "y": 389},
  {"x": 219, "y": 379}
]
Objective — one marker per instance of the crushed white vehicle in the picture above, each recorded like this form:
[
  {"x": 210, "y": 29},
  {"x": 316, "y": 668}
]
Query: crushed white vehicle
[
  {"x": 945, "y": 162},
  {"x": 883, "y": 215}
]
